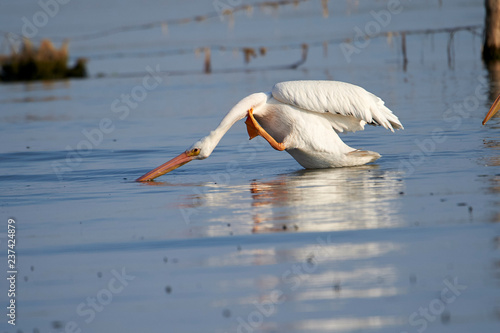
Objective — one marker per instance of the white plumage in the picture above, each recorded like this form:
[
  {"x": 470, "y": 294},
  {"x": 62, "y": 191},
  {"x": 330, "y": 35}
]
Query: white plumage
[
  {"x": 303, "y": 118},
  {"x": 340, "y": 98}
]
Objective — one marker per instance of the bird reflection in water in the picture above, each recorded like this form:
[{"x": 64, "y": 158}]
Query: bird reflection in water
[
  {"x": 493, "y": 181},
  {"x": 362, "y": 197},
  {"x": 489, "y": 142},
  {"x": 333, "y": 199}
]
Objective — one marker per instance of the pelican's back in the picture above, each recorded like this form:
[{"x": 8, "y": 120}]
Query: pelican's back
[{"x": 338, "y": 98}]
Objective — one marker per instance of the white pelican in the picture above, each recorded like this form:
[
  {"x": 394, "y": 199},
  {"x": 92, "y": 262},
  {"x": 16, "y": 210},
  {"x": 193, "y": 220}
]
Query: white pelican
[
  {"x": 303, "y": 118},
  {"x": 494, "y": 109}
]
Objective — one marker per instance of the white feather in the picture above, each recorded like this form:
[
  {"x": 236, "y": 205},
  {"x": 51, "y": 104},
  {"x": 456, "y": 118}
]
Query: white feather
[{"x": 350, "y": 107}]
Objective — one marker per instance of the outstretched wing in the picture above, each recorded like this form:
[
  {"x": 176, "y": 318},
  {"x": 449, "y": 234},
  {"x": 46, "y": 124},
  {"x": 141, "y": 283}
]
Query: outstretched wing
[{"x": 348, "y": 107}]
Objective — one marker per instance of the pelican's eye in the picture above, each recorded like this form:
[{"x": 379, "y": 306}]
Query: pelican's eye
[{"x": 195, "y": 151}]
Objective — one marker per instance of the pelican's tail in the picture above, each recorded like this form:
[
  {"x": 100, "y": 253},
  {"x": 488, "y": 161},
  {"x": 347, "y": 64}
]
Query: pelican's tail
[{"x": 360, "y": 157}]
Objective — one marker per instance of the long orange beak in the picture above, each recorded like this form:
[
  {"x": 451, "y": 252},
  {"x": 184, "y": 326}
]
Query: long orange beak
[
  {"x": 166, "y": 167},
  {"x": 494, "y": 109}
]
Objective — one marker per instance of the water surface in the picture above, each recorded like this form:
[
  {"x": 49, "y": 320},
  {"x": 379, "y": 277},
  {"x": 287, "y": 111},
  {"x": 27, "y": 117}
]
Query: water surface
[{"x": 248, "y": 241}]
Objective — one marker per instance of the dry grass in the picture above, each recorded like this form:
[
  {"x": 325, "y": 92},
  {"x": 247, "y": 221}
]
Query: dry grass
[{"x": 42, "y": 63}]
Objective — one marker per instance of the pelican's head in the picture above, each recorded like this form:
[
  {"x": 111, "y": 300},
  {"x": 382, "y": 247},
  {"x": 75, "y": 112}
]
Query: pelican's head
[
  {"x": 199, "y": 151},
  {"x": 204, "y": 147}
]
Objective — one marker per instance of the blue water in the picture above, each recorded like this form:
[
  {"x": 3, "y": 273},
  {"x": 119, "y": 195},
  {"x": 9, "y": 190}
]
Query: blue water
[{"x": 248, "y": 241}]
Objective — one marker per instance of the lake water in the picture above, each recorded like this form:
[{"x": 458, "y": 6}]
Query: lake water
[{"x": 248, "y": 241}]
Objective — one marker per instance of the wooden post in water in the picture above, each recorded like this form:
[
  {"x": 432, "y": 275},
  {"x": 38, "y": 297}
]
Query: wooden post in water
[
  {"x": 491, "y": 46},
  {"x": 208, "y": 64}
]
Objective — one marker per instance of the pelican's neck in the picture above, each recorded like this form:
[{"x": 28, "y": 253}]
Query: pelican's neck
[
  {"x": 238, "y": 112},
  {"x": 227, "y": 122}
]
